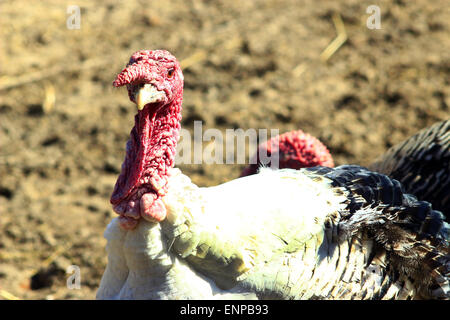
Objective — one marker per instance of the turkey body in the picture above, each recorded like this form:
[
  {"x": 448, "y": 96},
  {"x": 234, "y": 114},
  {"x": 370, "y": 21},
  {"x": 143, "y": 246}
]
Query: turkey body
[
  {"x": 316, "y": 233},
  {"x": 422, "y": 164}
]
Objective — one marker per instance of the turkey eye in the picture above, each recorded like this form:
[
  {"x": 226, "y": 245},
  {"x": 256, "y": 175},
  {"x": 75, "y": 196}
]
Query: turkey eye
[{"x": 170, "y": 73}]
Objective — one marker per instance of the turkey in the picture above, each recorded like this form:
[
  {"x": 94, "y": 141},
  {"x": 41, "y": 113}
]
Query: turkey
[
  {"x": 421, "y": 162},
  {"x": 295, "y": 150},
  {"x": 313, "y": 233}
]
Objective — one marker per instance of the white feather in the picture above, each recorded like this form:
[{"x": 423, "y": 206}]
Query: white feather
[{"x": 251, "y": 217}]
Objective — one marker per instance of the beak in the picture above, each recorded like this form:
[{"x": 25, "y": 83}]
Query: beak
[{"x": 148, "y": 94}]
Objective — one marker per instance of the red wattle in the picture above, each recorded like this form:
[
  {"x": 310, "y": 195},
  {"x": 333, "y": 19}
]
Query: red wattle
[{"x": 137, "y": 148}]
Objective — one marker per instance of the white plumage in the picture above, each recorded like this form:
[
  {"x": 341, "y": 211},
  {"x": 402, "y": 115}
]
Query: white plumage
[{"x": 279, "y": 234}]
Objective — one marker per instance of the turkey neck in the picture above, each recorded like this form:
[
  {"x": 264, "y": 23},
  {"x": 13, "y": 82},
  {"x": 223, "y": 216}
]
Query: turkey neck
[{"x": 150, "y": 151}]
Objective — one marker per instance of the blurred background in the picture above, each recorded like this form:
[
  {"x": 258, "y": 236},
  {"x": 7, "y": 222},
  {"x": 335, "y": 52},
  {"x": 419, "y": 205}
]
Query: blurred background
[{"x": 247, "y": 64}]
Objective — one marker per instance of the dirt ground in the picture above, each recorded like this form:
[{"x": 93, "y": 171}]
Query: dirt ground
[{"x": 247, "y": 64}]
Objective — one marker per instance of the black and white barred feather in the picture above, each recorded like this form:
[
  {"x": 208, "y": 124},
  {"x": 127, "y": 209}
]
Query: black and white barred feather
[
  {"x": 422, "y": 164},
  {"x": 409, "y": 231}
]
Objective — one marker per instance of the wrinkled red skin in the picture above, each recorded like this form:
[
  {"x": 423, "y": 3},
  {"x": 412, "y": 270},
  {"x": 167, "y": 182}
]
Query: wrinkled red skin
[
  {"x": 151, "y": 149},
  {"x": 296, "y": 150}
]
